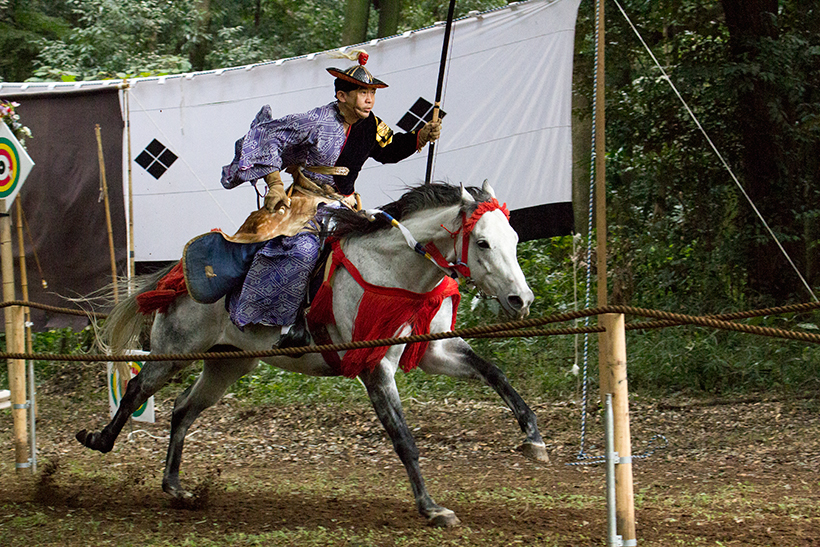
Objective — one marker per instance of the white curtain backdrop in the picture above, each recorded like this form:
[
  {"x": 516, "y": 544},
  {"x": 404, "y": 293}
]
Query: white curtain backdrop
[{"x": 507, "y": 100}]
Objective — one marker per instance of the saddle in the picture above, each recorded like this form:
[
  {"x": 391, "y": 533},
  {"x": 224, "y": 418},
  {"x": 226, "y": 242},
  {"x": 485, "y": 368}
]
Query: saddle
[
  {"x": 305, "y": 197},
  {"x": 216, "y": 263}
]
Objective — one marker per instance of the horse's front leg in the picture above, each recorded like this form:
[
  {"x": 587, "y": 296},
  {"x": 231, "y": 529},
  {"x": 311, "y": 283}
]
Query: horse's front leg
[
  {"x": 454, "y": 357},
  {"x": 381, "y": 387},
  {"x": 151, "y": 378}
]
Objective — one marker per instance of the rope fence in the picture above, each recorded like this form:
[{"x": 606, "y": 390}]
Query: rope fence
[{"x": 512, "y": 329}]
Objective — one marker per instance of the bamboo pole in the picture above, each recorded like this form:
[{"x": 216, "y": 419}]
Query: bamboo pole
[
  {"x": 21, "y": 257},
  {"x": 14, "y": 339},
  {"x": 131, "y": 267},
  {"x": 104, "y": 188}
]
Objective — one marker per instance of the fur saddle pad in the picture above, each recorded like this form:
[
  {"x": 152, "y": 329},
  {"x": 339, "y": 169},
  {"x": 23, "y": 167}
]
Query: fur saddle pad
[{"x": 305, "y": 197}]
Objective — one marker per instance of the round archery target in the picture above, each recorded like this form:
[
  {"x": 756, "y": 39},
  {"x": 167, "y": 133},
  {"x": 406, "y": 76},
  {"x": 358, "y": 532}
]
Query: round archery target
[
  {"x": 9, "y": 167},
  {"x": 116, "y": 386}
]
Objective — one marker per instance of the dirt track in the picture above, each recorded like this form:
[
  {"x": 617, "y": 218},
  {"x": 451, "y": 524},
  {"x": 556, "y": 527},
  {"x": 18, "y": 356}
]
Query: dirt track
[{"x": 733, "y": 474}]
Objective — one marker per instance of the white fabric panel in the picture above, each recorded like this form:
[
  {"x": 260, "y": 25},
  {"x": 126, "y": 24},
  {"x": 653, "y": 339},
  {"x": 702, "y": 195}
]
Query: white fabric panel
[{"x": 507, "y": 98}]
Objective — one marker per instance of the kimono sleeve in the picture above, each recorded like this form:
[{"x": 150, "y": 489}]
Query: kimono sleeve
[{"x": 261, "y": 150}]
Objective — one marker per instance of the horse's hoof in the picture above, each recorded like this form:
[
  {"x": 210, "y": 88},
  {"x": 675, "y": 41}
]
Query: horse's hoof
[
  {"x": 81, "y": 436},
  {"x": 443, "y": 519},
  {"x": 177, "y": 492},
  {"x": 90, "y": 440},
  {"x": 535, "y": 451}
]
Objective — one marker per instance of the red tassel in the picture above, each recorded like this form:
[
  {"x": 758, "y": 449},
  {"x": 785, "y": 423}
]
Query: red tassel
[
  {"x": 321, "y": 308},
  {"x": 381, "y": 316},
  {"x": 169, "y": 288},
  {"x": 382, "y": 312}
]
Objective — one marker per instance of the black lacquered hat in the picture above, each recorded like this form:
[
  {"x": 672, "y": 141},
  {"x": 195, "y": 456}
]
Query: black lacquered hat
[{"x": 358, "y": 74}]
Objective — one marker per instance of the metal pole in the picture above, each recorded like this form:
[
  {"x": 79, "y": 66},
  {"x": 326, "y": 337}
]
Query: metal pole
[
  {"x": 441, "y": 70},
  {"x": 613, "y": 539}
]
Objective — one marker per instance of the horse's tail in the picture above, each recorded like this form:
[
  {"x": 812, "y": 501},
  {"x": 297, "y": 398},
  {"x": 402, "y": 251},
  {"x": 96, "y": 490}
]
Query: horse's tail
[{"x": 124, "y": 326}]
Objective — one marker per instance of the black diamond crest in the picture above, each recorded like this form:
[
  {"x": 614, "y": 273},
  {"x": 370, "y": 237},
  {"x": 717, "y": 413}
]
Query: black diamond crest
[
  {"x": 419, "y": 114},
  {"x": 156, "y": 159}
]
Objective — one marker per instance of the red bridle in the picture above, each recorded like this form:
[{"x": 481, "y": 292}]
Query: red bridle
[{"x": 460, "y": 268}]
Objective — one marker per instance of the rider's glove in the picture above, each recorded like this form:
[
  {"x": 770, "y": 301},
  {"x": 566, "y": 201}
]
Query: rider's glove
[
  {"x": 276, "y": 199},
  {"x": 430, "y": 132}
]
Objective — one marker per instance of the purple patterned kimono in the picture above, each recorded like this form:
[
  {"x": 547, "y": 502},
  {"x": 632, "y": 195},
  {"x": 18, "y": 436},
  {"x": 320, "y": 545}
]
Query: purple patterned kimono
[
  {"x": 277, "y": 280},
  {"x": 309, "y": 139}
]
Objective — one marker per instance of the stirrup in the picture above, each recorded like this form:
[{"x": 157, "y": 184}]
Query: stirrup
[{"x": 296, "y": 337}]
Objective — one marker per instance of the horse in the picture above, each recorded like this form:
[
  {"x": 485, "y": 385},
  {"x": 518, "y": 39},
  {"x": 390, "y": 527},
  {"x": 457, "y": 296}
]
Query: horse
[{"x": 436, "y": 213}]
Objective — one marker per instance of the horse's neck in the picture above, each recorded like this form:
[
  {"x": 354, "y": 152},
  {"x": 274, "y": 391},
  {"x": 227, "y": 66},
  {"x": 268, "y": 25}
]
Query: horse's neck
[{"x": 385, "y": 259}]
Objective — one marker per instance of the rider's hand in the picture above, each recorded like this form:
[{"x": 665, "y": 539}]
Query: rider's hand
[
  {"x": 430, "y": 132},
  {"x": 276, "y": 200}
]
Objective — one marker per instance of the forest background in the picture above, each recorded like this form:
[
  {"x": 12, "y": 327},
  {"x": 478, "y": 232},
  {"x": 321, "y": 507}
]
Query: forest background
[{"x": 682, "y": 236}]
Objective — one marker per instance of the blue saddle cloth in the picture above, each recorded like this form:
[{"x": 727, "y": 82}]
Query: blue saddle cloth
[
  {"x": 214, "y": 266},
  {"x": 263, "y": 282}
]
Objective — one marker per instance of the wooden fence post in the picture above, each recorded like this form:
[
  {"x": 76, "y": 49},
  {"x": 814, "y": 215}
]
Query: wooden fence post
[{"x": 612, "y": 373}]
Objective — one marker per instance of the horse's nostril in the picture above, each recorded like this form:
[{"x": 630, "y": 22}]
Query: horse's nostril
[{"x": 516, "y": 302}]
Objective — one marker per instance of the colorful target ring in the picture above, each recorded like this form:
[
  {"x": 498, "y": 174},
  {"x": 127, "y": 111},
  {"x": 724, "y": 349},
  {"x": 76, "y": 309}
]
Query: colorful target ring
[
  {"x": 9, "y": 167},
  {"x": 116, "y": 387}
]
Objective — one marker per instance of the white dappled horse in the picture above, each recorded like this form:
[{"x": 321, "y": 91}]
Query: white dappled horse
[{"x": 432, "y": 213}]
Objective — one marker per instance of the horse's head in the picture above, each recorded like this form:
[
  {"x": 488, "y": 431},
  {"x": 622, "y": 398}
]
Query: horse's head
[{"x": 492, "y": 258}]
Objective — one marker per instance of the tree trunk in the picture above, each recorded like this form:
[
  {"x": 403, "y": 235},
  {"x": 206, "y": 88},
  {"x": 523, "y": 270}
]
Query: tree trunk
[
  {"x": 389, "y": 11},
  {"x": 202, "y": 45},
  {"x": 749, "y": 22},
  {"x": 581, "y": 153},
  {"x": 357, "y": 13}
]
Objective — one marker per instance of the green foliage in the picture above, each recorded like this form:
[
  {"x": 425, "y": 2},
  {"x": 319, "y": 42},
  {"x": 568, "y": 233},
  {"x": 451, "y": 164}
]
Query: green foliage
[
  {"x": 23, "y": 24},
  {"x": 120, "y": 38},
  {"x": 421, "y": 14},
  {"x": 696, "y": 360},
  {"x": 70, "y": 40},
  {"x": 682, "y": 233}
]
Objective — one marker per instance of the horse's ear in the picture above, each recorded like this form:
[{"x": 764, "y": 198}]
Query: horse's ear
[
  {"x": 487, "y": 188},
  {"x": 465, "y": 195}
]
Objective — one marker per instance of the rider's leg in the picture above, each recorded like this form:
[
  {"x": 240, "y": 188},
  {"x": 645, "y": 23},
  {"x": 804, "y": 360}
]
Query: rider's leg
[{"x": 274, "y": 288}]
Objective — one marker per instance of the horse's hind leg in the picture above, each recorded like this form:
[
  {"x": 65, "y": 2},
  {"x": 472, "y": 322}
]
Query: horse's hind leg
[
  {"x": 151, "y": 378},
  {"x": 454, "y": 357},
  {"x": 381, "y": 387},
  {"x": 216, "y": 377}
]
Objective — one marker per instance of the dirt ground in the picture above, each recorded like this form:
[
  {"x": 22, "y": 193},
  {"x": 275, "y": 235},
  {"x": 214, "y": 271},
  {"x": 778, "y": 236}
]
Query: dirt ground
[{"x": 734, "y": 473}]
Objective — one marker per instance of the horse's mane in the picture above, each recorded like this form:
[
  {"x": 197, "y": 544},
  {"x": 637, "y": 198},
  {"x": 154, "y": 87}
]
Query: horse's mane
[{"x": 419, "y": 198}]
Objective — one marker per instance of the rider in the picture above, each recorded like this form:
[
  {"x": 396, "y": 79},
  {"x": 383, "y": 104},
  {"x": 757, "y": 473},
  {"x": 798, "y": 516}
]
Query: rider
[{"x": 331, "y": 143}]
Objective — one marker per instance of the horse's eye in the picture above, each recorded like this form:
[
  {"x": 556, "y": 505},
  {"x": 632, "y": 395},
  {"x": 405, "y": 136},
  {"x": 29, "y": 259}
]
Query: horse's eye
[{"x": 482, "y": 244}]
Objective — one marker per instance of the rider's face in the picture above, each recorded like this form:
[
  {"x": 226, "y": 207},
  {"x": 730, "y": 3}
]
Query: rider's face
[{"x": 356, "y": 104}]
